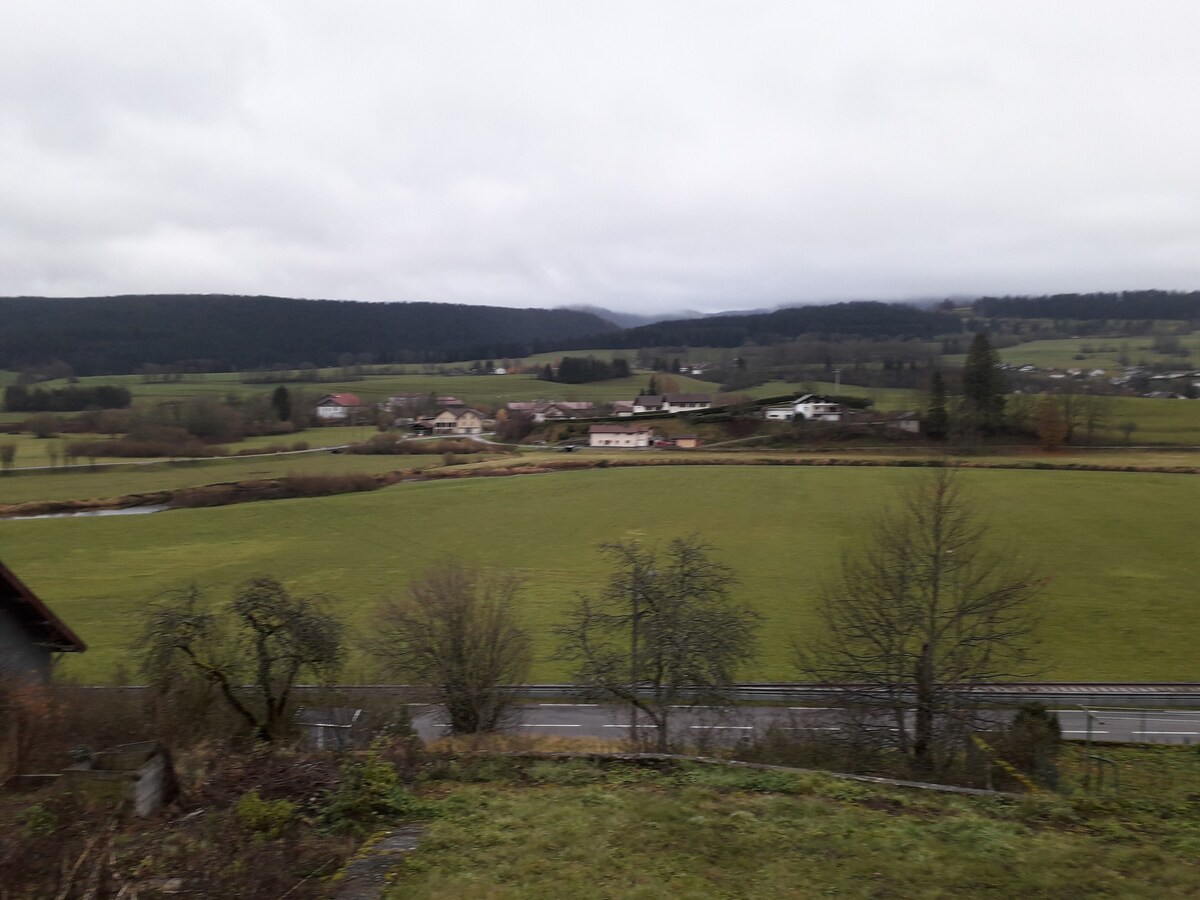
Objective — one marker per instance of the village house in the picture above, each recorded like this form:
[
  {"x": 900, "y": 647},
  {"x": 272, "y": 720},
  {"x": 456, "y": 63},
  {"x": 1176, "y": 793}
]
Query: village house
[
  {"x": 340, "y": 408},
  {"x": 543, "y": 410},
  {"x": 619, "y": 436},
  {"x": 678, "y": 442},
  {"x": 671, "y": 403},
  {"x": 30, "y": 634},
  {"x": 408, "y": 404},
  {"x": 457, "y": 421},
  {"x": 811, "y": 407}
]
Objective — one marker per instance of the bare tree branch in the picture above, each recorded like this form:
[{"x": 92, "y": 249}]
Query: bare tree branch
[{"x": 920, "y": 613}]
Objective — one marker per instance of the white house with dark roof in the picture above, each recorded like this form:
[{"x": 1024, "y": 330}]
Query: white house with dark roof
[
  {"x": 671, "y": 403},
  {"x": 811, "y": 407}
]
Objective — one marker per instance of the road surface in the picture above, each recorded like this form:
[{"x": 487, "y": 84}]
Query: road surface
[{"x": 589, "y": 720}]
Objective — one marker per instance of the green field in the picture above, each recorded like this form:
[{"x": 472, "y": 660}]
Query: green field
[
  {"x": 1119, "y": 547},
  {"x": 1097, "y": 352},
  {"x": 489, "y": 390},
  {"x": 84, "y": 483}
]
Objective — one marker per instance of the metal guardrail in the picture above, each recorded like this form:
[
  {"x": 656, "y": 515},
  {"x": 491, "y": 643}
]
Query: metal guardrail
[
  {"x": 1090, "y": 694},
  {"x": 1169, "y": 694}
]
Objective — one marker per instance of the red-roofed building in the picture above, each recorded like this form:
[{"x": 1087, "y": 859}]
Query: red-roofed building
[
  {"x": 29, "y": 632},
  {"x": 339, "y": 407}
]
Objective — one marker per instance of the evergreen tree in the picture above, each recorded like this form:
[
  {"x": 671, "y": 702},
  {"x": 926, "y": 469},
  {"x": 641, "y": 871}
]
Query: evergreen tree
[
  {"x": 652, "y": 388},
  {"x": 281, "y": 402},
  {"x": 983, "y": 387},
  {"x": 937, "y": 419}
]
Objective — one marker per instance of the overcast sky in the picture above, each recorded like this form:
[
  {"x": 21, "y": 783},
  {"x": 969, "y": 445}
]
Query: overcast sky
[{"x": 643, "y": 156}]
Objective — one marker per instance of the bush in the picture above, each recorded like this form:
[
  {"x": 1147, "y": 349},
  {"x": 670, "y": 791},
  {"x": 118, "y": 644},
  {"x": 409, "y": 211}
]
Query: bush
[
  {"x": 36, "y": 821},
  {"x": 269, "y": 818},
  {"x": 370, "y": 793}
]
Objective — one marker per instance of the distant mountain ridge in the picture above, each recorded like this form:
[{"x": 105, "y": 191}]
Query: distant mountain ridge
[
  {"x": 867, "y": 319},
  {"x": 112, "y": 335}
]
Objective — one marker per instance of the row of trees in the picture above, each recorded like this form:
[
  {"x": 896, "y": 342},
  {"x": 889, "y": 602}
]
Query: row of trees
[
  {"x": 920, "y": 613},
  {"x": 583, "y": 369},
  {"x": 22, "y": 398}
]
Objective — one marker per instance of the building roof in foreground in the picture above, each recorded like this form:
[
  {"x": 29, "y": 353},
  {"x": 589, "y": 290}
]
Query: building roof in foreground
[{"x": 24, "y": 606}]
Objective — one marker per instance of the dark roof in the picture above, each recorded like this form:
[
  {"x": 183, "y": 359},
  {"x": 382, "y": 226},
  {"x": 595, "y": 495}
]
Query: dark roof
[{"x": 20, "y": 602}]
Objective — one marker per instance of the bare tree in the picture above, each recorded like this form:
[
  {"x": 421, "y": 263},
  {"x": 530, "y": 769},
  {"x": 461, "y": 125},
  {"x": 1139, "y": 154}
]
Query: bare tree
[
  {"x": 663, "y": 633},
  {"x": 456, "y": 630},
  {"x": 252, "y": 649},
  {"x": 923, "y": 611}
]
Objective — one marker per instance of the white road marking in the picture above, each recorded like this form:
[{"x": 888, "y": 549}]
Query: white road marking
[
  {"x": 551, "y": 725},
  {"x": 810, "y": 708},
  {"x": 626, "y": 726},
  {"x": 1081, "y": 731},
  {"x": 812, "y": 728},
  {"x": 735, "y": 727},
  {"x": 572, "y": 705},
  {"x": 1191, "y": 733}
]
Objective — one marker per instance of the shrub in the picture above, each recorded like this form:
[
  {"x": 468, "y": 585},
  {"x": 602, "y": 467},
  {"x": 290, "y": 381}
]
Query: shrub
[
  {"x": 370, "y": 792},
  {"x": 36, "y": 821},
  {"x": 269, "y": 818}
]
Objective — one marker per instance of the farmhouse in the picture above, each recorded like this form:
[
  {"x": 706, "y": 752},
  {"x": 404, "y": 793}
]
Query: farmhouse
[
  {"x": 458, "y": 421},
  {"x": 812, "y": 407},
  {"x": 671, "y": 403},
  {"x": 339, "y": 407},
  {"x": 619, "y": 436},
  {"x": 29, "y": 632},
  {"x": 543, "y": 410}
]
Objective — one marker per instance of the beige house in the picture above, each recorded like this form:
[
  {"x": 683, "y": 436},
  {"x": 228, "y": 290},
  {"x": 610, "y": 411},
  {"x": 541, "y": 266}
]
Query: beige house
[
  {"x": 458, "y": 421},
  {"x": 619, "y": 436}
]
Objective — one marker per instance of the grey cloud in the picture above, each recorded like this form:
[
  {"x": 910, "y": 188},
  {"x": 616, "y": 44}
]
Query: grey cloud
[{"x": 647, "y": 156}]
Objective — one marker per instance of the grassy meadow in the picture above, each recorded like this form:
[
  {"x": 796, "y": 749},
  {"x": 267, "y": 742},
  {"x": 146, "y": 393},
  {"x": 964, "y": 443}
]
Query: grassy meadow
[
  {"x": 1097, "y": 353},
  {"x": 82, "y": 482},
  {"x": 1119, "y": 547},
  {"x": 490, "y": 390},
  {"x": 515, "y": 829}
]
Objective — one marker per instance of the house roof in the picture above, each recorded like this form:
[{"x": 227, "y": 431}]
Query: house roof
[
  {"x": 35, "y": 616},
  {"x": 459, "y": 413},
  {"x": 649, "y": 400},
  {"x": 686, "y": 398},
  {"x": 617, "y": 429},
  {"x": 341, "y": 400}
]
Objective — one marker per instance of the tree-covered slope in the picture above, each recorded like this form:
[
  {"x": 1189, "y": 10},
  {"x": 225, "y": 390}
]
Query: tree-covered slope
[{"x": 105, "y": 335}]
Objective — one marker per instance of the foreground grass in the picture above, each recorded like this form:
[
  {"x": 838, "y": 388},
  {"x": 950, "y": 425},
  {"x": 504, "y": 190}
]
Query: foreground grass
[
  {"x": 575, "y": 829},
  {"x": 1122, "y": 561}
]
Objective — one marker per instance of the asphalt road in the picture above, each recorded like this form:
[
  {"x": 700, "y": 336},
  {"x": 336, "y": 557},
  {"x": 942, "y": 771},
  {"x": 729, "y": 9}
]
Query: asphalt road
[{"x": 582, "y": 720}]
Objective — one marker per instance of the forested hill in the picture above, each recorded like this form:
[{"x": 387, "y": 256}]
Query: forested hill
[
  {"x": 1124, "y": 305},
  {"x": 867, "y": 319},
  {"x": 108, "y": 335}
]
